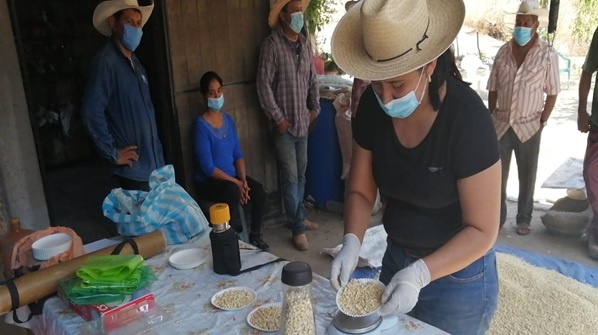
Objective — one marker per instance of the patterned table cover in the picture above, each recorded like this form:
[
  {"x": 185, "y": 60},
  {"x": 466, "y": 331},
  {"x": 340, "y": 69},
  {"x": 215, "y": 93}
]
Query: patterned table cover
[{"x": 184, "y": 297}]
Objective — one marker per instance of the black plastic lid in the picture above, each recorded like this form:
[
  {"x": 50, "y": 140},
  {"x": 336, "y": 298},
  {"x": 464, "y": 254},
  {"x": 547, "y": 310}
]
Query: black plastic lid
[{"x": 296, "y": 274}]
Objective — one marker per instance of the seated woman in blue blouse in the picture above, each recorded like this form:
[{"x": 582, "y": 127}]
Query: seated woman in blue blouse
[{"x": 220, "y": 168}]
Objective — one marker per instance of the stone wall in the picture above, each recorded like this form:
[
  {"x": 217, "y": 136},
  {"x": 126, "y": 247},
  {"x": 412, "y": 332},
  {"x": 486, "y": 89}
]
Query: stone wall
[{"x": 21, "y": 183}]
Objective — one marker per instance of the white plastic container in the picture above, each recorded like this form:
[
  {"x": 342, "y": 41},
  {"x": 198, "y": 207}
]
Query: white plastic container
[{"x": 50, "y": 246}]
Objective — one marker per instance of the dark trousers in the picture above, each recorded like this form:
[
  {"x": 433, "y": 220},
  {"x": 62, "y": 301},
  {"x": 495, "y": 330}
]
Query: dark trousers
[
  {"x": 214, "y": 190},
  {"x": 130, "y": 184},
  {"x": 526, "y": 155}
]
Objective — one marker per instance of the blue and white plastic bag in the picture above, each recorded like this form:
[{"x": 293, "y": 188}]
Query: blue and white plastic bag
[{"x": 166, "y": 207}]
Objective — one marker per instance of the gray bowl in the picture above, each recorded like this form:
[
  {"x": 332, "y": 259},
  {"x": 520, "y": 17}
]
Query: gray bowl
[{"x": 356, "y": 325}]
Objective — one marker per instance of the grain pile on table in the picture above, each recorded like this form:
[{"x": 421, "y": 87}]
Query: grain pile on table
[{"x": 538, "y": 301}]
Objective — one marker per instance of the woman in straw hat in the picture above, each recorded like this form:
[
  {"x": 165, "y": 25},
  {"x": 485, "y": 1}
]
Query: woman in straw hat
[{"x": 426, "y": 140}]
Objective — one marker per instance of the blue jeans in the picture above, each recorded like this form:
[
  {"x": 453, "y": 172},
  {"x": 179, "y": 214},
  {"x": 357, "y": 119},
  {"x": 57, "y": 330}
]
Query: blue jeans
[
  {"x": 291, "y": 152},
  {"x": 462, "y": 303}
]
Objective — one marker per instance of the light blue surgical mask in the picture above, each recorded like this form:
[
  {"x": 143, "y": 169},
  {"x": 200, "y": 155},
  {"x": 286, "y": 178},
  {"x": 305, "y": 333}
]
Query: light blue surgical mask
[
  {"x": 296, "y": 22},
  {"x": 522, "y": 35},
  {"x": 404, "y": 106},
  {"x": 216, "y": 104},
  {"x": 131, "y": 37}
]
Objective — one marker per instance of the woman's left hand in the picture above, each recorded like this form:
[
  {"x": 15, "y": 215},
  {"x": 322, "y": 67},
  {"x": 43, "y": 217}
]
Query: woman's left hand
[
  {"x": 402, "y": 292},
  {"x": 245, "y": 193}
]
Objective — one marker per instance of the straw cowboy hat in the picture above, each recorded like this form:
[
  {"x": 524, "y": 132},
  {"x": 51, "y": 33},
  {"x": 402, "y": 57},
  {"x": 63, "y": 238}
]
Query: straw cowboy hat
[
  {"x": 531, "y": 7},
  {"x": 277, "y": 7},
  {"x": 382, "y": 39},
  {"x": 350, "y": 4},
  {"x": 107, "y": 8}
]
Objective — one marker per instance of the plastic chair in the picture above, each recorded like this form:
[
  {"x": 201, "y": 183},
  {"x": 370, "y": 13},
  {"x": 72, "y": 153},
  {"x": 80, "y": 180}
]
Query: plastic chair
[{"x": 567, "y": 68}]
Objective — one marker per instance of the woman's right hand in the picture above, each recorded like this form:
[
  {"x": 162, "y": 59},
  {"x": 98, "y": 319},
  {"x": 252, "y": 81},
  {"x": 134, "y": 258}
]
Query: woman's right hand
[{"x": 345, "y": 261}]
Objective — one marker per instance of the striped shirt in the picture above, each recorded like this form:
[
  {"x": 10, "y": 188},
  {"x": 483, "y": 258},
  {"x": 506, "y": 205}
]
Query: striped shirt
[
  {"x": 520, "y": 99},
  {"x": 286, "y": 82}
]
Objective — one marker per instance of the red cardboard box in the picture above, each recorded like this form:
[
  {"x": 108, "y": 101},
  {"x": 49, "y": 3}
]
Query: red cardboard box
[{"x": 112, "y": 317}]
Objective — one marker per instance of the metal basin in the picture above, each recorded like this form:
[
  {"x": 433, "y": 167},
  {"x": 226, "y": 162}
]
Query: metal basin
[{"x": 356, "y": 325}]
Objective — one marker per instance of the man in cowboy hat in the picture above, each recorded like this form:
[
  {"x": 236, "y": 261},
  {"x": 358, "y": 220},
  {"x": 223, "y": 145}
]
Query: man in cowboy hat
[
  {"x": 288, "y": 92},
  {"x": 523, "y": 87},
  {"x": 589, "y": 123},
  {"x": 117, "y": 108}
]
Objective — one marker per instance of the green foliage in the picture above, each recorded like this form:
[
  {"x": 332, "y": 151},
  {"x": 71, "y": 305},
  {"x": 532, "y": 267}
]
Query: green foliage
[
  {"x": 318, "y": 14},
  {"x": 586, "y": 19},
  {"x": 330, "y": 65}
]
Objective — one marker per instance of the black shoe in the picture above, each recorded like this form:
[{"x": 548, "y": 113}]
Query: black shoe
[{"x": 256, "y": 240}]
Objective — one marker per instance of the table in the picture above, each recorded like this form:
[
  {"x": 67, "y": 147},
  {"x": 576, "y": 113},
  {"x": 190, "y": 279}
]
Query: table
[{"x": 184, "y": 296}]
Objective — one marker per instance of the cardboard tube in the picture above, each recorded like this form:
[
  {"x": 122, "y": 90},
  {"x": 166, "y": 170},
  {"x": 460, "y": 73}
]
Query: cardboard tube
[{"x": 38, "y": 284}]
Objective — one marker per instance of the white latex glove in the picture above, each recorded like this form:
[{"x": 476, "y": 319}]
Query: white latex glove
[
  {"x": 401, "y": 294},
  {"x": 345, "y": 261}
]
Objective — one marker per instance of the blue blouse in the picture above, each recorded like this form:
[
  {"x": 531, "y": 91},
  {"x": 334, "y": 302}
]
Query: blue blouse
[{"x": 215, "y": 148}]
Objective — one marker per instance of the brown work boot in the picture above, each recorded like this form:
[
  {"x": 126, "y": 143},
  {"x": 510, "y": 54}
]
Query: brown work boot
[
  {"x": 593, "y": 244},
  {"x": 310, "y": 225},
  {"x": 300, "y": 242}
]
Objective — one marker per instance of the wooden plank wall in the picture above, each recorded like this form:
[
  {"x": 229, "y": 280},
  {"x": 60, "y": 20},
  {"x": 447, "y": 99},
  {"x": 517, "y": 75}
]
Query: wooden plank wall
[{"x": 223, "y": 36}]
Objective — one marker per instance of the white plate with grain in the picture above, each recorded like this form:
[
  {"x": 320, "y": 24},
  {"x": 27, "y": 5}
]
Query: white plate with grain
[
  {"x": 234, "y": 298},
  {"x": 266, "y": 317}
]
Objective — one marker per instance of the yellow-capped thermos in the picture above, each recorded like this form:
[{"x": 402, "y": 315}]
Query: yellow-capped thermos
[{"x": 225, "y": 243}]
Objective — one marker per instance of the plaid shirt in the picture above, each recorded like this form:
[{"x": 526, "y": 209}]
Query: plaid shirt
[
  {"x": 521, "y": 90},
  {"x": 286, "y": 82}
]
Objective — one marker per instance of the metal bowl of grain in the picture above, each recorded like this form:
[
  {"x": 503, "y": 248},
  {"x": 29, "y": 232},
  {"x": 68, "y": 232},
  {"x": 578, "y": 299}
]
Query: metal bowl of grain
[{"x": 358, "y": 303}]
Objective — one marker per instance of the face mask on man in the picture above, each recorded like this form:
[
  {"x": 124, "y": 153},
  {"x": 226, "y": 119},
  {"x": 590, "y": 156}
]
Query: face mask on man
[
  {"x": 296, "y": 22},
  {"x": 522, "y": 35},
  {"x": 216, "y": 104},
  {"x": 404, "y": 106},
  {"x": 131, "y": 37}
]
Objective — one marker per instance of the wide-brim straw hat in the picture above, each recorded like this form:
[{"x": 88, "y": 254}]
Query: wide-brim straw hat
[
  {"x": 277, "y": 7},
  {"x": 106, "y": 9},
  {"x": 382, "y": 39},
  {"x": 350, "y": 4}
]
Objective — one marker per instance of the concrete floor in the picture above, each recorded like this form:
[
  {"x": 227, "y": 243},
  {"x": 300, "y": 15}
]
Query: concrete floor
[{"x": 330, "y": 234}]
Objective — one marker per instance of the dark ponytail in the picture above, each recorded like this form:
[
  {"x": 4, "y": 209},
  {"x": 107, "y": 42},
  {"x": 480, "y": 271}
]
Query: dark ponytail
[{"x": 445, "y": 67}]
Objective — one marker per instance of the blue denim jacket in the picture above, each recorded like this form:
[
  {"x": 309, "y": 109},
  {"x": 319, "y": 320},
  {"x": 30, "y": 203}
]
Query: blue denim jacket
[{"x": 118, "y": 112}]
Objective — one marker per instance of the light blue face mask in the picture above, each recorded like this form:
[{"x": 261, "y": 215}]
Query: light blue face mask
[
  {"x": 522, "y": 35},
  {"x": 131, "y": 37},
  {"x": 216, "y": 104},
  {"x": 404, "y": 106},
  {"x": 296, "y": 22}
]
